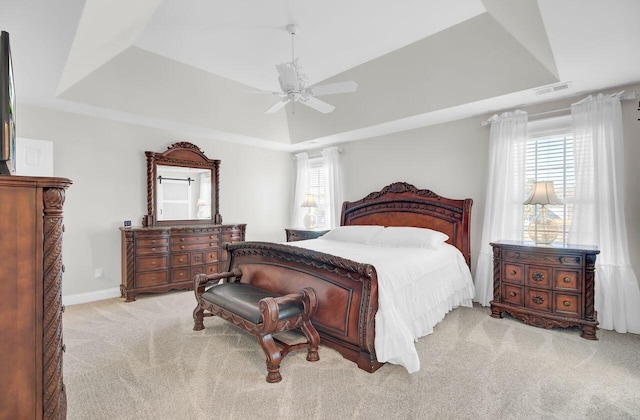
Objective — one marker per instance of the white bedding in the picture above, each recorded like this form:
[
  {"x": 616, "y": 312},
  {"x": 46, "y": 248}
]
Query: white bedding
[{"x": 417, "y": 287}]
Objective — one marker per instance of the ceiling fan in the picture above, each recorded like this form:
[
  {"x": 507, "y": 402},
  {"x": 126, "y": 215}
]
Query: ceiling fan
[{"x": 293, "y": 83}]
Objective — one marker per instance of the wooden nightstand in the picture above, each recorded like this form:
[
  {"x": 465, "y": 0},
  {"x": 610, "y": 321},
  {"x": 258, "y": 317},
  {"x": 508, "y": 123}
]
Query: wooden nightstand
[
  {"x": 545, "y": 286},
  {"x": 302, "y": 234}
]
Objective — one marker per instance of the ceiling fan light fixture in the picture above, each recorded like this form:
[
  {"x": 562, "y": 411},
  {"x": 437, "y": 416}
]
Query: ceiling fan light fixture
[{"x": 293, "y": 83}]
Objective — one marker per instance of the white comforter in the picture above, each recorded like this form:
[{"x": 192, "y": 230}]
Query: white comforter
[{"x": 417, "y": 287}]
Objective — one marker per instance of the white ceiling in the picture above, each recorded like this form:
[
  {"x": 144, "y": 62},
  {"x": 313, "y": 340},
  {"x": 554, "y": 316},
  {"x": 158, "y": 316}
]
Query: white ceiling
[{"x": 195, "y": 66}]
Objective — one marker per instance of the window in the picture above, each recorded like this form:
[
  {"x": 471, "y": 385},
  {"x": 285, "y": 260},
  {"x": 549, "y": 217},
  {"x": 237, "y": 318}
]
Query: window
[
  {"x": 318, "y": 187},
  {"x": 549, "y": 157}
]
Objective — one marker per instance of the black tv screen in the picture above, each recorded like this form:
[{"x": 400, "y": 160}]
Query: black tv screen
[{"x": 7, "y": 109}]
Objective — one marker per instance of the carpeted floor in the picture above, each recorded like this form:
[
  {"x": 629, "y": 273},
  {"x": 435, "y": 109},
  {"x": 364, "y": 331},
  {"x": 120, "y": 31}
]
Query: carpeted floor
[{"x": 142, "y": 360}]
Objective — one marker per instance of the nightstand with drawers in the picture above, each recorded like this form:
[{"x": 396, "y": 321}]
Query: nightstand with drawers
[
  {"x": 545, "y": 286},
  {"x": 303, "y": 234}
]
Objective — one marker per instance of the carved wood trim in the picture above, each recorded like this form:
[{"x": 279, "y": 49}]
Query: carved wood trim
[{"x": 53, "y": 388}]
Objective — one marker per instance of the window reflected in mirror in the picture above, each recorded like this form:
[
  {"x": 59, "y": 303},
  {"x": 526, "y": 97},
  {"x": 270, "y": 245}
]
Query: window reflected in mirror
[{"x": 183, "y": 193}]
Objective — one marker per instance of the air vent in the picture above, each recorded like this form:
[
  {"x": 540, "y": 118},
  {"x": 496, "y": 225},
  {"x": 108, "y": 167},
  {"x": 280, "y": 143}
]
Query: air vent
[{"x": 552, "y": 88}]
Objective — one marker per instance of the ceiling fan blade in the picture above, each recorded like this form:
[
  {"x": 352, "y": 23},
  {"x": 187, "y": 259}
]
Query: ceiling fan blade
[
  {"x": 317, "y": 104},
  {"x": 277, "y": 106},
  {"x": 288, "y": 78},
  {"x": 333, "y": 88}
]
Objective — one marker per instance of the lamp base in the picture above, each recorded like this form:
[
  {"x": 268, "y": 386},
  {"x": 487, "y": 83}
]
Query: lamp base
[
  {"x": 310, "y": 220},
  {"x": 543, "y": 229}
]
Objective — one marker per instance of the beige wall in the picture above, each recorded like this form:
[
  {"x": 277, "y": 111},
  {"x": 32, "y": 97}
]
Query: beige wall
[{"x": 106, "y": 162}]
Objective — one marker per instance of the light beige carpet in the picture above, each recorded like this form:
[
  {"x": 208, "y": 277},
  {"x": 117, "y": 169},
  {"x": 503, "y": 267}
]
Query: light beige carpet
[{"x": 142, "y": 360}]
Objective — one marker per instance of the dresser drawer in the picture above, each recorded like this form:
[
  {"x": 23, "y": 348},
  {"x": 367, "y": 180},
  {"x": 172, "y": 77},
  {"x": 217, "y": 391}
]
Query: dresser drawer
[
  {"x": 195, "y": 239},
  {"x": 151, "y": 263},
  {"x": 538, "y": 277},
  {"x": 180, "y": 274},
  {"x": 541, "y": 258},
  {"x": 567, "y": 304},
  {"x": 538, "y": 299},
  {"x": 567, "y": 280},
  {"x": 157, "y": 249},
  {"x": 513, "y": 273},
  {"x": 193, "y": 246},
  {"x": 152, "y": 241},
  {"x": 211, "y": 268},
  {"x": 151, "y": 278},
  {"x": 180, "y": 260},
  {"x": 211, "y": 257},
  {"x": 512, "y": 294}
]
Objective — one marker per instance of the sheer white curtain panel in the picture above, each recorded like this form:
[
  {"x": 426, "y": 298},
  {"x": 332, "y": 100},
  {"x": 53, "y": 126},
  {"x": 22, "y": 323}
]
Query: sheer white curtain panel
[
  {"x": 331, "y": 166},
  {"x": 302, "y": 184},
  {"x": 503, "y": 214},
  {"x": 598, "y": 209}
]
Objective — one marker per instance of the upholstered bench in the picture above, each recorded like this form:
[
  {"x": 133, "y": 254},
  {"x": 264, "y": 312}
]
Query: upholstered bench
[{"x": 259, "y": 312}]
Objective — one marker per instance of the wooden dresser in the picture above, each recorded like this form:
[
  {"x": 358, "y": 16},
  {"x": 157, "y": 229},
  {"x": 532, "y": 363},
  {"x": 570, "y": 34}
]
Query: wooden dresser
[
  {"x": 545, "y": 286},
  {"x": 161, "y": 258},
  {"x": 294, "y": 235},
  {"x": 31, "y": 309}
]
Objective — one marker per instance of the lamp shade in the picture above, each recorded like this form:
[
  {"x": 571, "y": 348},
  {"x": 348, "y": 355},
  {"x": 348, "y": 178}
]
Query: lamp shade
[
  {"x": 309, "y": 201},
  {"x": 543, "y": 193}
]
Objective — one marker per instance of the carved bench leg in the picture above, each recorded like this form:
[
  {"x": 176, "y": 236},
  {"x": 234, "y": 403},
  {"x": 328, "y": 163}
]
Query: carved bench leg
[
  {"x": 273, "y": 357},
  {"x": 313, "y": 338},
  {"x": 198, "y": 317}
]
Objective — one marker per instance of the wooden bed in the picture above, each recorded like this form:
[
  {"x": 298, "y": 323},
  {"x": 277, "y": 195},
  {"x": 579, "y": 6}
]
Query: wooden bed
[{"x": 348, "y": 291}]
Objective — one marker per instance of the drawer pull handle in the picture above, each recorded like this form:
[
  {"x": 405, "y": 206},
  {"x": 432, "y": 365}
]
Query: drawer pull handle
[
  {"x": 153, "y": 249},
  {"x": 566, "y": 303},
  {"x": 181, "y": 274},
  {"x": 566, "y": 280},
  {"x": 181, "y": 260},
  {"x": 153, "y": 263},
  {"x": 537, "y": 276},
  {"x": 512, "y": 272},
  {"x": 538, "y": 299},
  {"x": 181, "y": 239},
  {"x": 153, "y": 241},
  {"x": 181, "y": 246},
  {"x": 512, "y": 294}
]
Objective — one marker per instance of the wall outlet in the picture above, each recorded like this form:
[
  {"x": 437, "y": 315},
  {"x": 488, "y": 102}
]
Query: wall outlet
[{"x": 97, "y": 273}]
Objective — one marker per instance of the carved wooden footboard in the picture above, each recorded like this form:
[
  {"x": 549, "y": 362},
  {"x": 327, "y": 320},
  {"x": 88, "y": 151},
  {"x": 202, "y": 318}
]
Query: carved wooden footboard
[{"x": 347, "y": 292}]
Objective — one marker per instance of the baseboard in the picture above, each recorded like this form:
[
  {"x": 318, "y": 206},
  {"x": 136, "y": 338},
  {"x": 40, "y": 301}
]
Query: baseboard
[{"x": 91, "y": 296}]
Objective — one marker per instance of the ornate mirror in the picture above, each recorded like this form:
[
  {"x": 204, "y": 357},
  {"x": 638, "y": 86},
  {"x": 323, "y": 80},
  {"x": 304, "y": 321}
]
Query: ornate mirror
[{"x": 182, "y": 187}]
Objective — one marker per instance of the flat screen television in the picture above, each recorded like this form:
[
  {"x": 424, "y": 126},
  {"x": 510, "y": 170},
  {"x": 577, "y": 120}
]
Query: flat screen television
[{"x": 7, "y": 109}]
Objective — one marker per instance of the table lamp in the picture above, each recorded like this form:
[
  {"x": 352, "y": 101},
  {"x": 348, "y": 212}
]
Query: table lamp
[
  {"x": 542, "y": 228},
  {"x": 310, "y": 220}
]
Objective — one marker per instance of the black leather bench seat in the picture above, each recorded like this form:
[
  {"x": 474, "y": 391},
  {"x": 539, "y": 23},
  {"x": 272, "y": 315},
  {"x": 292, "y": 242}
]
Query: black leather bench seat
[{"x": 242, "y": 299}]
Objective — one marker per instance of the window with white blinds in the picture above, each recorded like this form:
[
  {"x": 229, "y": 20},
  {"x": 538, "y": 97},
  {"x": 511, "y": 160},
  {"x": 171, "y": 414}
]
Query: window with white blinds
[
  {"x": 549, "y": 157},
  {"x": 318, "y": 187}
]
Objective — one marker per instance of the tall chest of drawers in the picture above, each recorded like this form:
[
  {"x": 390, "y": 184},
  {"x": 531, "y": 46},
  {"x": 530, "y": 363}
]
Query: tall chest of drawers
[
  {"x": 31, "y": 272},
  {"x": 159, "y": 259},
  {"x": 545, "y": 286}
]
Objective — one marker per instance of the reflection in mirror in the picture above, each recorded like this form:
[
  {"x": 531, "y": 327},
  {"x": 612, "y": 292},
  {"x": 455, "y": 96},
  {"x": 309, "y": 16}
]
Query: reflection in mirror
[{"x": 183, "y": 193}]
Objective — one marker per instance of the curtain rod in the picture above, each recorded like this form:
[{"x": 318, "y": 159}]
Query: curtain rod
[
  {"x": 315, "y": 155},
  {"x": 623, "y": 97}
]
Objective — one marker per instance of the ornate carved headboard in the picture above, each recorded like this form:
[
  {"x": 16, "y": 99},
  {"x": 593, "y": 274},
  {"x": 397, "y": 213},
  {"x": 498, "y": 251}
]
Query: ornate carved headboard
[{"x": 402, "y": 204}]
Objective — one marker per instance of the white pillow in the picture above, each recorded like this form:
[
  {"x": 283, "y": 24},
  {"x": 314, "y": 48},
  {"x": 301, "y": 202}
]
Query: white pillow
[
  {"x": 356, "y": 233},
  {"x": 408, "y": 237}
]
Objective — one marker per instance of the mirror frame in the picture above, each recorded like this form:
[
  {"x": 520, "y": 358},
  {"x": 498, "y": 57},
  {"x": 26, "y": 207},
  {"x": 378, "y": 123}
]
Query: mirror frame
[{"x": 186, "y": 155}]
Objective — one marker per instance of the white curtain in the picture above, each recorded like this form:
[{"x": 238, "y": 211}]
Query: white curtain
[
  {"x": 598, "y": 210},
  {"x": 331, "y": 166},
  {"x": 302, "y": 183},
  {"x": 503, "y": 214}
]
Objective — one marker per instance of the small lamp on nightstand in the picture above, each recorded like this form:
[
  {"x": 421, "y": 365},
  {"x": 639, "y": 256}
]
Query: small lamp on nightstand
[
  {"x": 542, "y": 228},
  {"x": 310, "y": 220}
]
